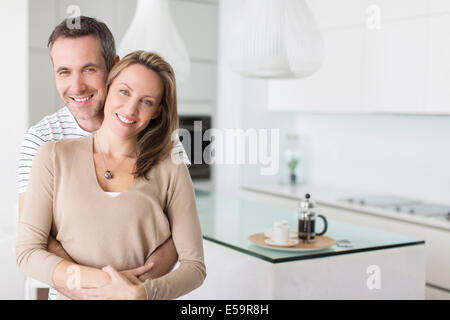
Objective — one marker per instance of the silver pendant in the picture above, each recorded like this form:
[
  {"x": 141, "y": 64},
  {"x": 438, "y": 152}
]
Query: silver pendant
[{"x": 108, "y": 174}]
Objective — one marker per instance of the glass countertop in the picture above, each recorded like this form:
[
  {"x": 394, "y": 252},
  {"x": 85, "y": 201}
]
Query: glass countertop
[{"x": 229, "y": 221}]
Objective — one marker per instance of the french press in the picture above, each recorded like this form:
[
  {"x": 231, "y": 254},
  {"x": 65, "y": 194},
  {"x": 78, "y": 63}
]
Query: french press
[{"x": 307, "y": 220}]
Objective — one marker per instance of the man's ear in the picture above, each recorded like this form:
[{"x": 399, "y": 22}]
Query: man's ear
[{"x": 116, "y": 59}]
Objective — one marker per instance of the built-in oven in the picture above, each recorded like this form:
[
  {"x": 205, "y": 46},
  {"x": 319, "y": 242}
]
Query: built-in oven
[{"x": 192, "y": 139}]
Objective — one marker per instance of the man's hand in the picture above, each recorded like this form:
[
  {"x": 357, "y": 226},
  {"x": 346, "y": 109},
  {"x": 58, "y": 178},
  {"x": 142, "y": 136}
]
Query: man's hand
[
  {"x": 123, "y": 286},
  {"x": 127, "y": 285},
  {"x": 164, "y": 259},
  {"x": 136, "y": 274}
]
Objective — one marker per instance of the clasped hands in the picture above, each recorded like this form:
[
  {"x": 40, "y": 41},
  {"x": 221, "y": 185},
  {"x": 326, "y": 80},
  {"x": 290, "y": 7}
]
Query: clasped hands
[{"x": 122, "y": 285}]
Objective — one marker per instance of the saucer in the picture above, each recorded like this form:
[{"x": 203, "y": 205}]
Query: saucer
[
  {"x": 292, "y": 235},
  {"x": 319, "y": 243},
  {"x": 290, "y": 243}
]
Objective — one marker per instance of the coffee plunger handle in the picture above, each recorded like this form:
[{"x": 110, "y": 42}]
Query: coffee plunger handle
[{"x": 325, "y": 225}]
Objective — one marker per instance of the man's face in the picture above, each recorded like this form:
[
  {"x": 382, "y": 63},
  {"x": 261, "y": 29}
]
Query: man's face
[{"x": 80, "y": 74}]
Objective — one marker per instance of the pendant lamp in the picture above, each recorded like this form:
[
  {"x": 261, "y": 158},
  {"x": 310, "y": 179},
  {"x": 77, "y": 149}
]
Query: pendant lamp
[
  {"x": 275, "y": 39},
  {"x": 152, "y": 29}
]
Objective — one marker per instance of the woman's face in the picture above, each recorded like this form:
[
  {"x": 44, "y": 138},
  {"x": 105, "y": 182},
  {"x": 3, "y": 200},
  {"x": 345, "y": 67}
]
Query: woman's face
[{"x": 133, "y": 99}]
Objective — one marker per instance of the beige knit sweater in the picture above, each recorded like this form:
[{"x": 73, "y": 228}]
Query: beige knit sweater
[{"x": 65, "y": 200}]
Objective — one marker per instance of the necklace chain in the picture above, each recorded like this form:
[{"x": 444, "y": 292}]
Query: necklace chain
[{"x": 109, "y": 174}]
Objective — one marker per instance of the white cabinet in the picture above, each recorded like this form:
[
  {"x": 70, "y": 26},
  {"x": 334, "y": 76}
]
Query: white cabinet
[
  {"x": 439, "y": 6},
  {"x": 331, "y": 14},
  {"x": 396, "y": 66},
  {"x": 382, "y": 56},
  {"x": 438, "y": 93}
]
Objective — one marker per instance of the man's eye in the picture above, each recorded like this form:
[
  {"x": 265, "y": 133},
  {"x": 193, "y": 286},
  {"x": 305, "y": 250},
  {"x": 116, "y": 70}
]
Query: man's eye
[
  {"x": 63, "y": 73},
  {"x": 90, "y": 70}
]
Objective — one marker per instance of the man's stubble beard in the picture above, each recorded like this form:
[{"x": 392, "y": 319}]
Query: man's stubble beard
[{"x": 94, "y": 111}]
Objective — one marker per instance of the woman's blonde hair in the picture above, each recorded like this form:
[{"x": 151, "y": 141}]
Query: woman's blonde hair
[{"x": 154, "y": 142}]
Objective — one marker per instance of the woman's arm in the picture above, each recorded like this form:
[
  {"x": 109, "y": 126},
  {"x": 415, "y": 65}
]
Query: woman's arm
[
  {"x": 35, "y": 221},
  {"x": 187, "y": 236},
  {"x": 69, "y": 275}
]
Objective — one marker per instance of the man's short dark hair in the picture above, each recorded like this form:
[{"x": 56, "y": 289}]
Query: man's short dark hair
[{"x": 87, "y": 26}]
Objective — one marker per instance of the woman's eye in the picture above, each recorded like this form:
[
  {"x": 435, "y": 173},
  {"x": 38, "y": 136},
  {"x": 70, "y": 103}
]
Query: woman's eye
[
  {"x": 124, "y": 92},
  {"x": 148, "y": 102}
]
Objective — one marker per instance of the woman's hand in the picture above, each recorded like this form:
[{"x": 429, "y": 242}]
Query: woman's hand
[{"x": 124, "y": 285}]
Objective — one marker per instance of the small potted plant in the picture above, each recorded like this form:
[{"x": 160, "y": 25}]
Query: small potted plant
[{"x": 292, "y": 163}]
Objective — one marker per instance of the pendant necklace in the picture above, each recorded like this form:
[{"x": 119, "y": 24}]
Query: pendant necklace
[{"x": 108, "y": 173}]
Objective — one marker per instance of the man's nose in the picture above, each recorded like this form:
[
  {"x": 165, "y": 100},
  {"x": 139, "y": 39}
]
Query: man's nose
[{"x": 78, "y": 84}]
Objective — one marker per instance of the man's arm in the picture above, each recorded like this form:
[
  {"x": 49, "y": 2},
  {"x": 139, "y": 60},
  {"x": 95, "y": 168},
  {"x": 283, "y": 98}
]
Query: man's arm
[
  {"x": 53, "y": 245},
  {"x": 164, "y": 258}
]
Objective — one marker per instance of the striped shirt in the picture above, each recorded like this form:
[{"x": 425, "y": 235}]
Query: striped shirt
[{"x": 58, "y": 126}]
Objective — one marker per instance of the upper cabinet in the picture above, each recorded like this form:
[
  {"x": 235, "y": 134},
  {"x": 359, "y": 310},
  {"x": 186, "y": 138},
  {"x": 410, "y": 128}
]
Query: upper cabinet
[{"x": 388, "y": 56}]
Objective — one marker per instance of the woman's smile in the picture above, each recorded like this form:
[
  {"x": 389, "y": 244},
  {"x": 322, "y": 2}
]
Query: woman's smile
[{"x": 124, "y": 120}]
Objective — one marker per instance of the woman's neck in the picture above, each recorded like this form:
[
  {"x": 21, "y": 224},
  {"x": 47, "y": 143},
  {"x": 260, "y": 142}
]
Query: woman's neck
[{"x": 114, "y": 147}]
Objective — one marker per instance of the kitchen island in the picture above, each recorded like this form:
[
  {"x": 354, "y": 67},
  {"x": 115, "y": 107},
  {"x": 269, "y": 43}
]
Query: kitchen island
[{"x": 378, "y": 265}]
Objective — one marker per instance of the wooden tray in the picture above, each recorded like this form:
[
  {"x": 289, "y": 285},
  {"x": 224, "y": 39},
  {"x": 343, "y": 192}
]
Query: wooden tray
[{"x": 319, "y": 243}]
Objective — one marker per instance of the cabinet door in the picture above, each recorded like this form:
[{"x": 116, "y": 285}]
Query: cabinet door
[
  {"x": 438, "y": 93},
  {"x": 396, "y": 66}
]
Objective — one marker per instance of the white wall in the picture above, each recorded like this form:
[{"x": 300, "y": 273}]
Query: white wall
[
  {"x": 14, "y": 93},
  {"x": 400, "y": 155}
]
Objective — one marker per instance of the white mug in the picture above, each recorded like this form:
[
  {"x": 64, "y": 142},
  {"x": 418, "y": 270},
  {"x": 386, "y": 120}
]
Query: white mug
[{"x": 280, "y": 233}]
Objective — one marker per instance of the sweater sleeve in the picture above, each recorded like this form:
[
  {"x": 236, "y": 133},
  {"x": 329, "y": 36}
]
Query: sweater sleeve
[
  {"x": 36, "y": 218},
  {"x": 187, "y": 238}
]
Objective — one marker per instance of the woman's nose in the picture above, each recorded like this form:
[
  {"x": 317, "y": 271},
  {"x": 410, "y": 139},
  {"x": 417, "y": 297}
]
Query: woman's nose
[{"x": 131, "y": 107}]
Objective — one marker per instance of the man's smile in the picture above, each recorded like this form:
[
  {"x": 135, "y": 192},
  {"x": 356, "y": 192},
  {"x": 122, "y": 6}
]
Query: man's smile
[{"x": 82, "y": 99}]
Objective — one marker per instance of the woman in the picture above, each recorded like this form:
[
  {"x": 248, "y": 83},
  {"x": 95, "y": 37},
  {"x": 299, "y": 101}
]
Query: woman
[{"x": 113, "y": 198}]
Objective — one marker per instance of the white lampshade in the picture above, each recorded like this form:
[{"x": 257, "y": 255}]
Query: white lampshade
[
  {"x": 152, "y": 29},
  {"x": 275, "y": 39}
]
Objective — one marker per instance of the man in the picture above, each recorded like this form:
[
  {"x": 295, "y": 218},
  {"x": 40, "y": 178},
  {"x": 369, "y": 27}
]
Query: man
[{"x": 82, "y": 59}]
